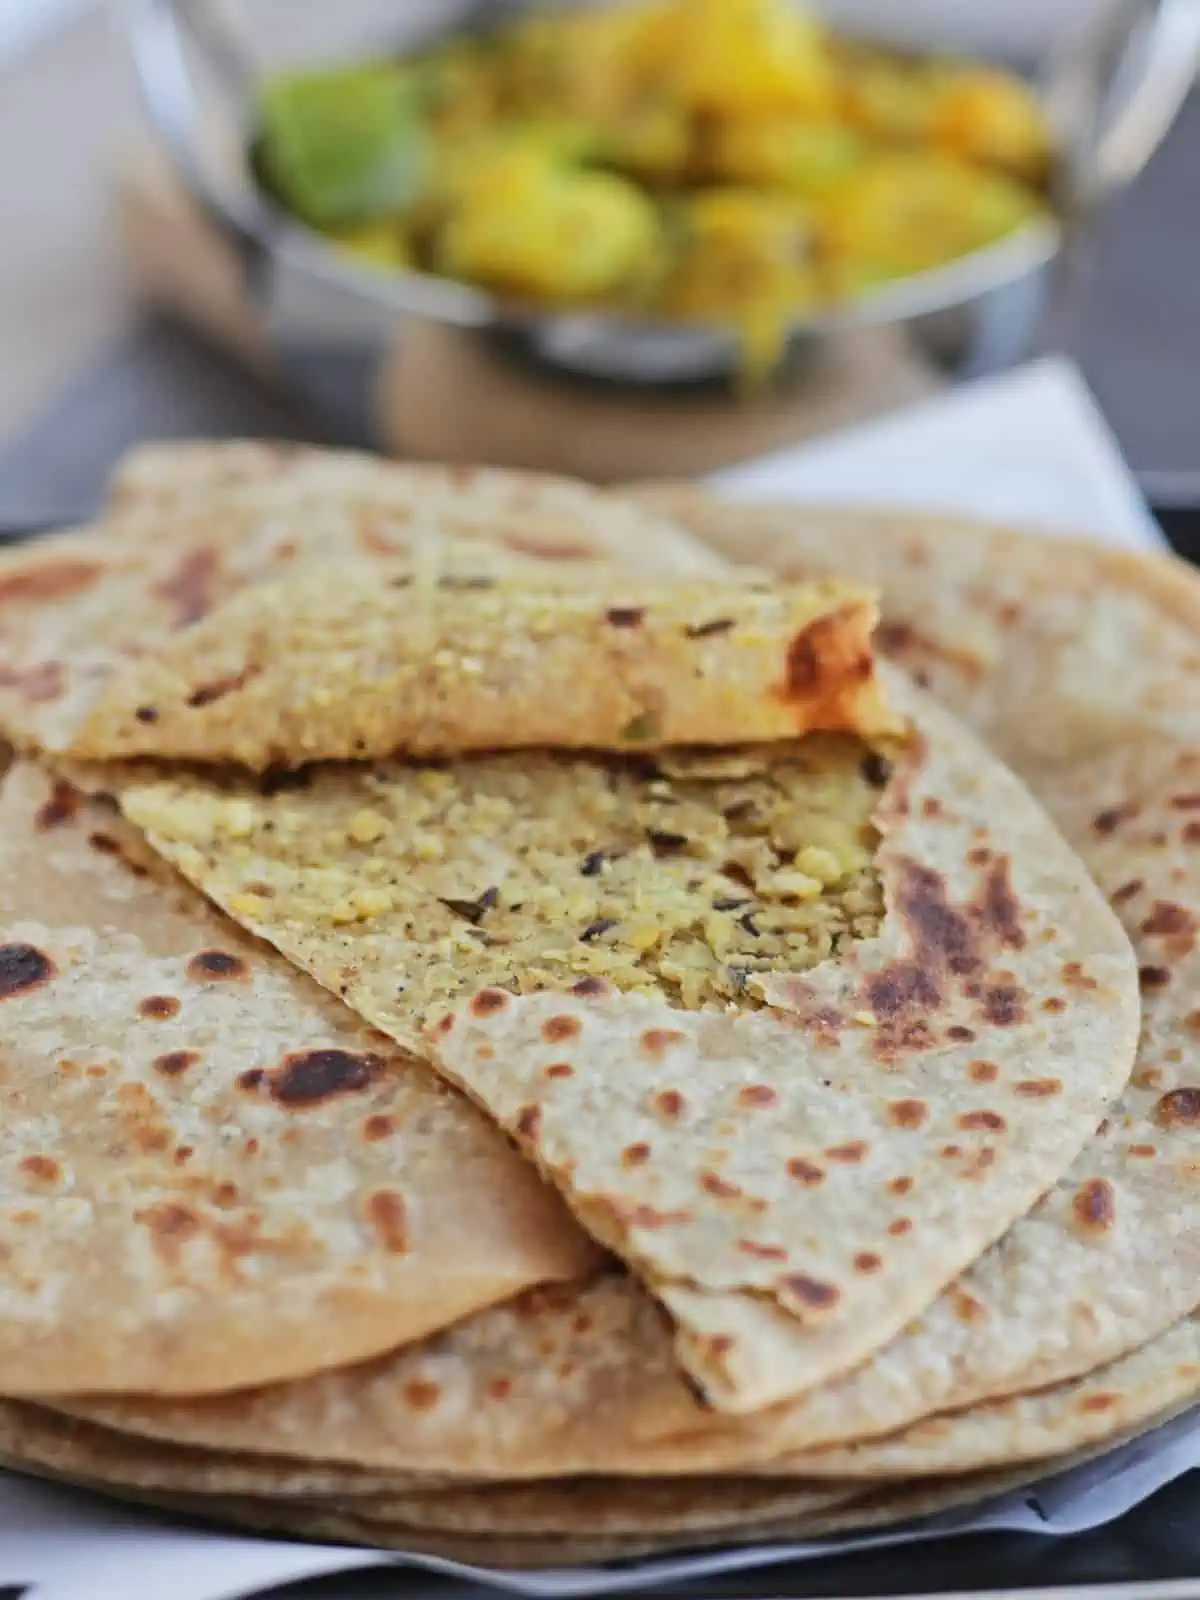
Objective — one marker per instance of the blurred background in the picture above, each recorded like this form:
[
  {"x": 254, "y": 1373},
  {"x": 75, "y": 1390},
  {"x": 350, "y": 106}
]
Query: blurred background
[{"x": 125, "y": 309}]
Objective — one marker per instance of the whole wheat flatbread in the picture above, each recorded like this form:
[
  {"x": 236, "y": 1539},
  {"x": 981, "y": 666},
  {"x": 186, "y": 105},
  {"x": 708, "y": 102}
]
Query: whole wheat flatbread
[
  {"x": 996, "y": 951},
  {"x": 353, "y": 664},
  {"x": 1124, "y": 1395},
  {"x": 1017, "y": 634},
  {"x": 80, "y": 608},
  {"x": 210, "y": 1173},
  {"x": 527, "y": 513}
]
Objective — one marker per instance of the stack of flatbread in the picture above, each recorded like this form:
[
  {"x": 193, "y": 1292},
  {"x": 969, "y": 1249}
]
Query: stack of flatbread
[{"x": 541, "y": 1025}]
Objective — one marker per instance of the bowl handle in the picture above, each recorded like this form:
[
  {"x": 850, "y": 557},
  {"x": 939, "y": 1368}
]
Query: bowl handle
[{"x": 1114, "y": 94}]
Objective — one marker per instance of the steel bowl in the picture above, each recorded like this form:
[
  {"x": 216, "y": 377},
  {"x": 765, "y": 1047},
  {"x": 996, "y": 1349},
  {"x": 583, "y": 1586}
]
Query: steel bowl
[{"x": 1110, "y": 95}]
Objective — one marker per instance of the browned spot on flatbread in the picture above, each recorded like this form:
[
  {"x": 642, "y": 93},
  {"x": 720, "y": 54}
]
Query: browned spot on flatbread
[
  {"x": 825, "y": 661},
  {"x": 44, "y": 1168},
  {"x": 23, "y": 967},
  {"x": 1185, "y": 802},
  {"x": 907, "y": 1113},
  {"x": 1099, "y": 1402},
  {"x": 1191, "y": 833},
  {"x": 556, "y": 1029},
  {"x": 808, "y": 1293},
  {"x": 847, "y": 1154},
  {"x": 420, "y": 1394},
  {"x": 1001, "y": 908},
  {"x": 529, "y": 1123},
  {"x": 900, "y": 1226},
  {"x": 757, "y": 1095},
  {"x": 158, "y": 1007},
  {"x": 388, "y": 1216},
  {"x": 60, "y": 807},
  {"x": 867, "y": 1261},
  {"x": 991, "y": 1121},
  {"x": 1038, "y": 1088},
  {"x": 488, "y": 1001},
  {"x": 207, "y": 694},
  {"x": 306, "y": 1078},
  {"x": 901, "y": 639},
  {"x": 57, "y": 580},
  {"x": 1127, "y": 891},
  {"x": 670, "y": 1103},
  {"x": 171, "y": 1225},
  {"x": 1003, "y": 1004},
  {"x": 1179, "y": 1108},
  {"x": 805, "y": 1172},
  {"x": 1095, "y": 1205},
  {"x": 556, "y": 1069},
  {"x": 966, "y": 1307},
  {"x": 175, "y": 1062},
  {"x": 1107, "y": 822},
  {"x": 657, "y": 1041},
  {"x": 719, "y": 1187},
  {"x": 635, "y": 1155},
  {"x": 983, "y": 1071},
  {"x": 1152, "y": 977},
  {"x": 762, "y": 1252},
  {"x": 378, "y": 1126},
  {"x": 191, "y": 588},
  {"x": 217, "y": 965},
  {"x": 590, "y": 987}
]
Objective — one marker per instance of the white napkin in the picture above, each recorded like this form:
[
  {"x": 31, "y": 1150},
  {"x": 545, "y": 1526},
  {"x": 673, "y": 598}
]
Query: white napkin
[
  {"x": 1027, "y": 448},
  {"x": 1030, "y": 447}
]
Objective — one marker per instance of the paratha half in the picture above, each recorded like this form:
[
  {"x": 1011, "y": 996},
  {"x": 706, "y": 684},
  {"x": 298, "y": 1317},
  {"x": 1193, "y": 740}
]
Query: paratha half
[
  {"x": 211, "y": 1173},
  {"x": 334, "y": 663}
]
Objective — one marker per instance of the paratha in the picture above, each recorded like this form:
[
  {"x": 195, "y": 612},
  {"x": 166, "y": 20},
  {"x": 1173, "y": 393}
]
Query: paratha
[
  {"x": 367, "y": 661},
  {"x": 998, "y": 949},
  {"x": 1016, "y": 633},
  {"x": 211, "y": 1173}
]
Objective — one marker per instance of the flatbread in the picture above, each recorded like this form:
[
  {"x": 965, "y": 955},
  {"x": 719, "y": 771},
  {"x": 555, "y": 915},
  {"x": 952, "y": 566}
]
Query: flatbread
[
  {"x": 334, "y": 663},
  {"x": 1080, "y": 665},
  {"x": 1008, "y": 627},
  {"x": 211, "y": 1174},
  {"x": 1126, "y": 1394},
  {"x": 792, "y": 1211},
  {"x": 529, "y": 513},
  {"x": 970, "y": 860}
]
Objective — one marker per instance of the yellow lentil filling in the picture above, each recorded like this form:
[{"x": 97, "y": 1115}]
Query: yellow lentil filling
[{"x": 688, "y": 874}]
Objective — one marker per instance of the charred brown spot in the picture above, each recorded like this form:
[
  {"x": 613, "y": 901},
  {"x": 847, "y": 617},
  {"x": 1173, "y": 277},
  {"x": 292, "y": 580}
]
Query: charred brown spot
[
  {"x": 720, "y": 1188},
  {"x": 1127, "y": 891},
  {"x": 488, "y": 1001},
  {"x": 1099, "y": 1402},
  {"x": 1095, "y": 1204},
  {"x": 23, "y": 967},
  {"x": 1191, "y": 833},
  {"x": 1107, "y": 822},
  {"x": 657, "y": 1041},
  {"x": 806, "y": 1172},
  {"x": 60, "y": 807},
  {"x": 1151, "y": 978},
  {"x": 421, "y": 1395},
  {"x": 670, "y": 1102},
  {"x": 867, "y": 1261},
  {"x": 848, "y": 1154},
  {"x": 635, "y": 1155},
  {"x": 1185, "y": 802},
  {"x": 1003, "y": 1005},
  {"x": 644, "y": 1216},
  {"x": 307, "y": 1078},
  {"x": 1075, "y": 977},
  {"x": 1180, "y": 1108},
  {"x": 1167, "y": 918},
  {"x": 104, "y": 844},
  {"x": 55, "y": 581},
  {"x": 951, "y": 1152},
  {"x": 983, "y": 1071},
  {"x": 1038, "y": 1088},
  {"x": 625, "y": 616},
  {"x": 1001, "y": 908},
  {"x": 556, "y": 1029},
  {"x": 808, "y": 1292},
  {"x": 907, "y": 1113},
  {"x": 44, "y": 1168},
  {"x": 388, "y": 1216},
  {"x": 900, "y": 1186},
  {"x": 217, "y": 965},
  {"x": 979, "y": 855},
  {"x": 252, "y": 1078},
  {"x": 762, "y": 1252},
  {"x": 500, "y": 1388},
  {"x": 158, "y": 1007},
  {"x": 529, "y": 1123},
  {"x": 825, "y": 657},
  {"x": 902, "y": 1225},
  {"x": 175, "y": 1062},
  {"x": 757, "y": 1095},
  {"x": 379, "y": 1126},
  {"x": 966, "y": 1307},
  {"x": 191, "y": 589},
  {"x": 590, "y": 987},
  {"x": 992, "y": 1121},
  {"x": 1054, "y": 1004},
  {"x": 559, "y": 1069},
  {"x": 171, "y": 1225},
  {"x": 959, "y": 1034},
  {"x": 1144, "y": 1152},
  {"x": 146, "y": 714},
  {"x": 207, "y": 694}
]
